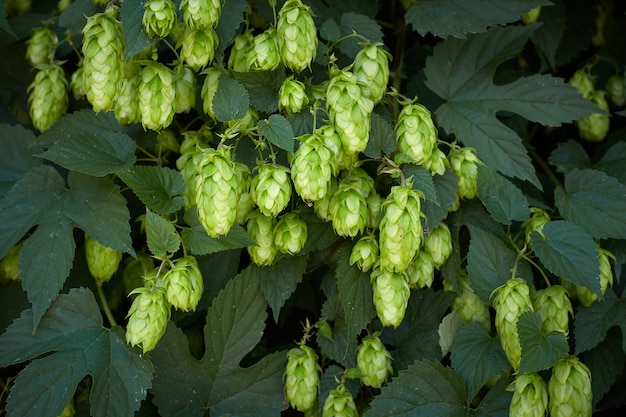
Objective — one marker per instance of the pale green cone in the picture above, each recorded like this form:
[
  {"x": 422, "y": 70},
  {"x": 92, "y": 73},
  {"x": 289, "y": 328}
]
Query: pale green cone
[
  {"x": 583, "y": 82},
  {"x": 41, "y": 46},
  {"x": 616, "y": 89},
  {"x": 201, "y": 14},
  {"x": 339, "y": 403},
  {"x": 341, "y": 158},
  {"x": 157, "y": 96},
  {"x": 469, "y": 306},
  {"x": 437, "y": 163},
  {"x": 539, "y": 217},
  {"x": 374, "y": 210},
  {"x": 530, "y": 396},
  {"x": 126, "y": 106},
  {"x": 159, "y": 17},
  {"x": 371, "y": 67},
  {"x": 555, "y": 308},
  {"x": 373, "y": 361},
  {"x": 245, "y": 204},
  {"x": 184, "y": 284},
  {"x": 302, "y": 378},
  {"x": 263, "y": 53},
  {"x": 190, "y": 157},
  {"x": 569, "y": 389},
  {"x": 185, "y": 86},
  {"x": 260, "y": 228},
  {"x": 102, "y": 261},
  {"x": 391, "y": 294},
  {"x": 271, "y": 189},
  {"x": 584, "y": 294},
  {"x": 209, "y": 87},
  {"x": 363, "y": 180},
  {"x": 464, "y": 163},
  {"x": 9, "y": 265},
  {"x": 47, "y": 96},
  {"x": 297, "y": 35},
  {"x": 594, "y": 128},
  {"x": 77, "y": 83},
  {"x": 421, "y": 272},
  {"x": 439, "y": 244},
  {"x": 198, "y": 46},
  {"x": 531, "y": 16},
  {"x": 239, "y": 51},
  {"x": 311, "y": 168},
  {"x": 290, "y": 233},
  {"x": 322, "y": 206},
  {"x": 292, "y": 95},
  {"x": 364, "y": 253},
  {"x": 348, "y": 209},
  {"x": 147, "y": 318},
  {"x": 415, "y": 132}
]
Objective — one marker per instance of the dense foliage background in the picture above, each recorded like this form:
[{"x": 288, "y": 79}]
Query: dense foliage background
[{"x": 492, "y": 83}]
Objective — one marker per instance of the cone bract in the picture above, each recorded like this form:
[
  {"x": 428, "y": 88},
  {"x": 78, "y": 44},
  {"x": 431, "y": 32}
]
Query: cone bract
[
  {"x": 102, "y": 261},
  {"x": 263, "y": 53},
  {"x": 616, "y": 89},
  {"x": 201, "y": 14},
  {"x": 569, "y": 389},
  {"x": 159, "y": 17},
  {"x": 583, "y": 82},
  {"x": 271, "y": 189},
  {"x": 239, "y": 51},
  {"x": 292, "y": 95},
  {"x": 260, "y": 228},
  {"x": 348, "y": 209},
  {"x": 554, "y": 306},
  {"x": 147, "y": 318},
  {"x": 41, "y": 46},
  {"x": 209, "y": 87},
  {"x": 415, "y": 132},
  {"x": 126, "y": 106},
  {"x": 463, "y": 162},
  {"x": 469, "y": 306},
  {"x": 537, "y": 220},
  {"x": 374, "y": 361},
  {"x": 421, "y": 272},
  {"x": 197, "y": 47},
  {"x": 297, "y": 35},
  {"x": 47, "y": 96},
  {"x": 391, "y": 294},
  {"x": 439, "y": 244},
  {"x": 302, "y": 379},
  {"x": 339, "y": 403},
  {"x": 290, "y": 234},
  {"x": 530, "y": 396},
  {"x": 364, "y": 253},
  {"x": 157, "y": 96},
  {"x": 595, "y": 127},
  {"x": 371, "y": 67},
  {"x": 184, "y": 284},
  {"x": 185, "y": 86},
  {"x": 311, "y": 168}
]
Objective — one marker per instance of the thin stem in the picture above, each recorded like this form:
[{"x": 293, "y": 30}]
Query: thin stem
[
  {"x": 105, "y": 306},
  {"x": 545, "y": 168}
]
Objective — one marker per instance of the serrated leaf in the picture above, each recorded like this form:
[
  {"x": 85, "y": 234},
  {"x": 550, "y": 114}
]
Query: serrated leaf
[
  {"x": 361, "y": 25},
  {"x": 437, "y": 210},
  {"x": 184, "y": 386},
  {"x": 504, "y": 201},
  {"x": 606, "y": 362},
  {"x": 161, "y": 235},
  {"x": 448, "y": 328},
  {"x": 135, "y": 37},
  {"x": 594, "y": 201},
  {"x": 461, "y": 72},
  {"x": 4, "y": 22},
  {"x": 591, "y": 324},
  {"x": 231, "y": 100},
  {"x": 301, "y": 123},
  {"x": 497, "y": 401},
  {"x": 424, "y": 389},
  {"x": 280, "y": 280},
  {"x": 382, "y": 139},
  {"x": 16, "y": 157},
  {"x": 341, "y": 347},
  {"x": 613, "y": 162},
  {"x": 262, "y": 87},
  {"x": 477, "y": 356},
  {"x": 278, "y": 131},
  {"x": 458, "y": 18},
  {"x": 539, "y": 351},
  {"x": 568, "y": 156},
  {"x": 75, "y": 344},
  {"x": 549, "y": 35},
  {"x": 330, "y": 30},
  {"x": 230, "y": 19},
  {"x": 198, "y": 242},
  {"x": 422, "y": 181},
  {"x": 88, "y": 142},
  {"x": 75, "y": 15},
  {"x": 320, "y": 234},
  {"x": 159, "y": 188},
  {"x": 568, "y": 252}
]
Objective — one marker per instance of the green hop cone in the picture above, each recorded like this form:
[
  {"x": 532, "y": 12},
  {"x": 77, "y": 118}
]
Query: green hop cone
[
  {"x": 569, "y": 389},
  {"x": 245, "y": 204},
  {"x": 400, "y": 228},
  {"x": 157, "y": 96},
  {"x": 159, "y": 17},
  {"x": 464, "y": 163},
  {"x": 341, "y": 158},
  {"x": 297, "y": 35},
  {"x": 290, "y": 233},
  {"x": 311, "y": 168},
  {"x": 41, "y": 46},
  {"x": 185, "y": 86},
  {"x": 469, "y": 306},
  {"x": 421, "y": 272},
  {"x": 217, "y": 191},
  {"x": 209, "y": 87},
  {"x": 201, "y": 14},
  {"x": 9, "y": 265},
  {"x": 539, "y": 217},
  {"x": 371, "y": 67},
  {"x": 183, "y": 284},
  {"x": 240, "y": 50},
  {"x": 364, "y": 253},
  {"x": 263, "y": 53},
  {"x": 271, "y": 189},
  {"x": 126, "y": 106},
  {"x": 373, "y": 361},
  {"x": 190, "y": 157},
  {"x": 583, "y": 82},
  {"x": 197, "y": 47},
  {"x": 391, "y": 294},
  {"x": 415, "y": 132},
  {"x": 593, "y": 128},
  {"x": 511, "y": 300},
  {"x": 260, "y": 228},
  {"x": 103, "y": 54},
  {"x": 530, "y": 396},
  {"x": 77, "y": 83},
  {"x": 374, "y": 210},
  {"x": 302, "y": 378},
  {"x": 47, "y": 96},
  {"x": 348, "y": 209},
  {"x": 339, "y": 403},
  {"x": 437, "y": 162},
  {"x": 439, "y": 244},
  {"x": 102, "y": 261},
  {"x": 147, "y": 318},
  {"x": 292, "y": 95},
  {"x": 531, "y": 16},
  {"x": 584, "y": 294},
  {"x": 322, "y": 206},
  {"x": 616, "y": 89},
  {"x": 554, "y": 306}
]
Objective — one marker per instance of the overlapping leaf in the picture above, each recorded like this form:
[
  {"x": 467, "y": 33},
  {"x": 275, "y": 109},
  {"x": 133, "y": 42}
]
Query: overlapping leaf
[
  {"x": 504, "y": 201},
  {"x": 198, "y": 242},
  {"x": 16, "y": 158},
  {"x": 539, "y": 351},
  {"x": 231, "y": 100},
  {"x": 592, "y": 324},
  {"x": 280, "y": 280},
  {"x": 278, "y": 131},
  {"x": 159, "y": 188},
  {"x": 161, "y": 235}
]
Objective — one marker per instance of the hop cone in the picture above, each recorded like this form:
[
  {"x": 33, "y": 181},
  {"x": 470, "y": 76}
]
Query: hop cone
[
  {"x": 240, "y": 50},
  {"x": 437, "y": 162},
  {"x": 47, "y": 96},
  {"x": 530, "y": 396},
  {"x": 245, "y": 205},
  {"x": 616, "y": 89},
  {"x": 339, "y": 403},
  {"x": 364, "y": 182},
  {"x": 197, "y": 47},
  {"x": 511, "y": 301},
  {"x": 292, "y": 95},
  {"x": 148, "y": 317},
  {"x": 537, "y": 220},
  {"x": 531, "y": 16},
  {"x": 103, "y": 54},
  {"x": 341, "y": 159},
  {"x": 374, "y": 210},
  {"x": 584, "y": 294},
  {"x": 77, "y": 82},
  {"x": 391, "y": 295},
  {"x": 374, "y": 361},
  {"x": 555, "y": 307},
  {"x": 126, "y": 105},
  {"x": 469, "y": 306},
  {"x": 594, "y": 127},
  {"x": 311, "y": 168},
  {"x": 157, "y": 96},
  {"x": 464, "y": 164},
  {"x": 322, "y": 206},
  {"x": 263, "y": 53},
  {"x": 260, "y": 228},
  {"x": 569, "y": 389},
  {"x": 9, "y": 266},
  {"x": 400, "y": 228},
  {"x": 421, "y": 273},
  {"x": 183, "y": 284},
  {"x": 185, "y": 86},
  {"x": 201, "y": 14},
  {"x": 290, "y": 234},
  {"x": 159, "y": 17},
  {"x": 41, "y": 46},
  {"x": 217, "y": 191},
  {"x": 415, "y": 132},
  {"x": 349, "y": 111},
  {"x": 439, "y": 244},
  {"x": 271, "y": 189},
  {"x": 102, "y": 261},
  {"x": 209, "y": 87},
  {"x": 297, "y": 35},
  {"x": 371, "y": 67},
  {"x": 348, "y": 209},
  {"x": 190, "y": 158},
  {"x": 364, "y": 253},
  {"x": 302, "y": 380},
  {"x": 583, "y": 82}
]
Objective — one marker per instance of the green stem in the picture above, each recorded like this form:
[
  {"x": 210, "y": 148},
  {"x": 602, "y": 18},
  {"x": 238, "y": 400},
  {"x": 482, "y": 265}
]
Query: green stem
[
  {"x": 545, "y": 168},
  {"x": 105, "y": 306}
]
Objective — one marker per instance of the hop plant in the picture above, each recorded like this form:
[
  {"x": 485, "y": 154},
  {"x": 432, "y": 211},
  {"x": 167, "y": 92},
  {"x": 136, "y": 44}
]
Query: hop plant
[
  {"x": 364, "y": 253},
  {"x": 47, "y": 96},
  {"x": 290, "y": 233},
  {"x": 41, "y": 46},
  {"x": 539, "y": 218},
  {"x": 530, "y": 396},
  {"x": 184, "y": 284},
  {"x": 102, "y": 261},
  {"x": 464, "y": 163},
  {"x": 239, "y": 52},
  {"x": 185, "y": 86},
  {"x": 339, "y": 403},
  {"x": 263, "y": 53},
  {"x": 103, "y": 54},
  {"x": 347, "y": 209},
  {"x": 371, "y": 67},
  {"x": 439, "y": 244},
  {"x": 616, "y": 89},
  {"x": 271, "y": 189},
  {"x": 469, "y": 306},
  {"x": 260, "y": 228},
  {"x": 569, "y": 389},
  {"x": 421, "y": 272},
  {"x": 197, "y": 47},
  {"x": 311, "y": 168},
  {"x": 159, "y": 17},
  {"x": 511, "y": 300},
  {"x": 593, "y": 128},
  {"x": 157, "y": 96},
  {"x": 9, "y": 265},
  {"x": 126, "y": 105},
  {"x": 391, "y": 295},
  {"x": 415, "y": 132},
  {"x": 302, "y": 379},
  {"x": 209, "y": 88},
  {"x": 292, "y": 95},
  {"x": 147, "y": 317},
  {"x": 297, "y": 35},
  {"x": 190, "y": 157},
  {"x": 554, "y": 306},
  {"x": 373, "y": 361},
  {"x": 201, "y": 14}
]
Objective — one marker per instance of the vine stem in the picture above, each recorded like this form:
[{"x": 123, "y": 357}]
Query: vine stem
[
  {"x": 105, "y": 306},
  {"x": 545, "y": 168}
]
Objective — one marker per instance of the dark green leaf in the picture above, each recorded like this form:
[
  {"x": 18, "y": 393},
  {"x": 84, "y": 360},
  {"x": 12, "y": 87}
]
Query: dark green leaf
[
  {"x": 457, "y": 18},
  {"x": 280, "y": 280},
  {"x": 301, "y": 123},
  {"x": 320, "y": 234},
  {"x": 184, "y": 386},
  {"x": 549, "y": 35},
  {"x": 361, "y": 25},
  {"x": 328, "y": 382},
  {"x": 606, "y": 362},
  {"x": 594, "y": 201},
  {"x": 591, "y": 324},
  {"x": 16, "y": 157},
  {"x": 497, "y": 401},
  {"x": 74, "y": 17},
  {"x": 437, "y": 210},
  {"x": 161, "y": 235},
  {"x": 198, "y": 242},
  {"x": 422, "y": 181},
  {"x": 424, "y": 389},
  {"x": 231, "y": 100},
  {"x": 230, "y": 19},
  {"x": 504, "y": 201},
  {"x": 135, "y": 37},
  {"x": 88, "y": 142},
  {"x": 4, "y": 22},
  {"x": 539, "y": 351},
  {"x": 382, "y": 139},
  {"x": 278, "y": 131},
  {"x": 77, "y": 345},
  {"x": 262, "y": 87},
  {"x": 568, "y": 156},
  {"x": 330, "y": 30},
  {"x": 342, "y": 347},
  {"x": 14, "y": 300},
  {"x": 613, "y": 162},
  {"x": 159, "y": 188},
  {"x": 568, "y": 252},
  {"x": 477, "y": 356}
]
